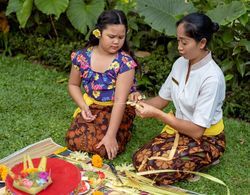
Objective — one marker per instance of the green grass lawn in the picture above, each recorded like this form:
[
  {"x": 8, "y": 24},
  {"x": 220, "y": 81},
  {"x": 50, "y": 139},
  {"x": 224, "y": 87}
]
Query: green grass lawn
[{"x": 34, "y": 105}]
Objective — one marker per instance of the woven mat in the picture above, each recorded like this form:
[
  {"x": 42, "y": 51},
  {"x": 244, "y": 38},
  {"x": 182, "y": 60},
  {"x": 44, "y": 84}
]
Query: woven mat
[
  {"x": 36, "y": 150},
  {"x": 47, "y": 147}
]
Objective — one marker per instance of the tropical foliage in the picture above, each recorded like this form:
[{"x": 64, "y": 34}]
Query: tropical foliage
[
  {"x": 162, "y": 15},
  {"x": 233, "y": 17},
  {"x": 80, "y": 14}
]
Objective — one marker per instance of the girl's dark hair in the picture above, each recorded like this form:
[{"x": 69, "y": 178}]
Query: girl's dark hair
[
  {"x": 106, "y": 18},
  {"x": 198, "y": 26},
  {"x": 111, "y": 17}
]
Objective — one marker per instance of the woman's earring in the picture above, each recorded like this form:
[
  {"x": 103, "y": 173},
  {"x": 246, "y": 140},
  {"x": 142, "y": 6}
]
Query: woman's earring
[{"x": 96, "y": 33}]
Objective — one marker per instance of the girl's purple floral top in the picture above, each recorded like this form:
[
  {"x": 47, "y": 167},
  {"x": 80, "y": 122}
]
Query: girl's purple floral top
[{"x": 101, "y": 86}]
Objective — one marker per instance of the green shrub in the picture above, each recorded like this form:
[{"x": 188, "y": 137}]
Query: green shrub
[
  {"x": 52, "y": 52},
  {"x": 237, "y": 104},
  {"x": 155, "y": 69}
]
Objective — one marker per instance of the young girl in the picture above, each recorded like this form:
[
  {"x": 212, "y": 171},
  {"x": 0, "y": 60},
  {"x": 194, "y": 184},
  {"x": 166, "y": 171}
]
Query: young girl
[
  {"x": 106, "y": 71},
  {"x": 193, "y": 138}
]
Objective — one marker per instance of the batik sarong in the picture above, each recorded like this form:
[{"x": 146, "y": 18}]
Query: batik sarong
[
  {"x": 85, "y": 136},
  {"x": 190, "y": 155}
]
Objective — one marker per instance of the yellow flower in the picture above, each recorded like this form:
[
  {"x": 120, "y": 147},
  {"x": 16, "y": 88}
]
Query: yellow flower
[
  {"x": 97, "y": 193},
  {"x": 96, "y": 77},
  {"x": 97, "y": 161},
  {"x": 96, "y": 94},
  {"x": 111, "y": 86},
  {"x": 30, "y": 170},
  {"x": 114, "y": 65},
  {"x": 97, "y": 33},
  {"x": 3, "y": 172}
]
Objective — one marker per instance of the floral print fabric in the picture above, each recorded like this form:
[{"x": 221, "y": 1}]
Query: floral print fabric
[
  {"x": 101, "y": 86},
  {"x": 190, "y": 155}
]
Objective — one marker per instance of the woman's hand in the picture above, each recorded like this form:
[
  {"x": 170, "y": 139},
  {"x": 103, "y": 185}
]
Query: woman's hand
[
  {"x": 111, "y": 146},
  {"x": 87, "y": 115},
  {"x": 135, "y": 97},
  {"x": 146, "y": 111}
]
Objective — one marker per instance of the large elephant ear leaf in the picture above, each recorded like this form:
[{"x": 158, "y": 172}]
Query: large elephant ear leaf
[
  {"x": 49, "y": 7},
  {"x": 226, "y": 13},
  {"x": 14, "y": 6},
  {"x": 162, "y": 15},
  {"x": 24, "y": 12},
  {"x": 82, "y": 15}
]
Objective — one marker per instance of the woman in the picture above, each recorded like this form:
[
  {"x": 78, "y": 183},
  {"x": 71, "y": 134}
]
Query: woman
[{"x": 194, "y": 136}]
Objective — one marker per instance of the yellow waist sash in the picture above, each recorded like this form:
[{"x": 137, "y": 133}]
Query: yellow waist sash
[
  {"x": 215, "y": 129},
  {"x": 89, "y": 100}
]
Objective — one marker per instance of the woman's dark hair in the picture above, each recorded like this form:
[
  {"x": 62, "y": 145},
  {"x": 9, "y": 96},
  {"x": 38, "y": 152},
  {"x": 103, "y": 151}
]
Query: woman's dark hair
[
  {"x": 111, "y": 17},
  {"x": 198, "y": 26}
]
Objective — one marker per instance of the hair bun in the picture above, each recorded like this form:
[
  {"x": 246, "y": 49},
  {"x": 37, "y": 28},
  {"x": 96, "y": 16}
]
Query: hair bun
[{"x": 215, "y": 27}]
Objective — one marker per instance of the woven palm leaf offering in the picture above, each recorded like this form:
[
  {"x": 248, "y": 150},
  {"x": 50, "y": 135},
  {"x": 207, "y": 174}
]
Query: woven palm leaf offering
[
  {"x": 123, "y": 180},
  {"x": 94, "y": 177},
  {"x": 35, "y": 176},
  {"x": 135, "y": 103},
  {"x": 92, "y": 174},
  {"x": 32, "y": 180}
]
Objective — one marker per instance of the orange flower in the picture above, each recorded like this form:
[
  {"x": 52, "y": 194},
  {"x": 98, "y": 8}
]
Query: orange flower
[
  {"x": 3, "y": 172},
  {"x": 91, "y": 181},
  {"x": 97, "y": 161},
  {"x": 98, "y": 193}
]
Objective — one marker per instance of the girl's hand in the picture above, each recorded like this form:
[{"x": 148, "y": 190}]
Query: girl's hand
[
  {"x": 87, "y": 115},
  {"x": 111, "y": 146},
  {"x": 135, "y": 97},
  {"x": 146, "y": 111}
]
